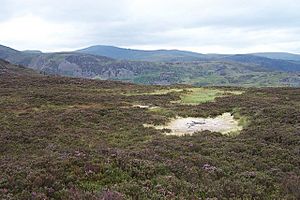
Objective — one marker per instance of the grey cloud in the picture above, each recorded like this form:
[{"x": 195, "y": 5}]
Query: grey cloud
[{"x": 232, "y": 23}]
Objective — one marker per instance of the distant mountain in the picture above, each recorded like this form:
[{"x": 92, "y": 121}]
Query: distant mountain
[
  {"x": 261, "y": 59},
  {"x": 145, "y": 55},
  {"x": 8, "y": 69},
  {"x": 16, "y": 57},
  {"x": 90, "y": 66},
  {"x": 7, "y": 52},
  {"x": 81, "y": 65},
  {"x": 272, "y": 64},
  {"x": 279, "y": 55},
  {"x": 33, "y": 51},
  {"x": 241, "y": 70}
]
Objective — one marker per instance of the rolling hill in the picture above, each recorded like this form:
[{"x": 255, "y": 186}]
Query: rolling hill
[
  {"x": 279, "y": 55},
  {"x": 8, "y": 69},
  {"x": 143, "y": 55},
  {"x": 272, "y": 64},
  {"x": 239, "y": 70},
  {"x": 277, "y": 61}
]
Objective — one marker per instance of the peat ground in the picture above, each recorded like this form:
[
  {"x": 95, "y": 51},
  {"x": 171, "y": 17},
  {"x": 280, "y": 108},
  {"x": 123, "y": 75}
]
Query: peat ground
[{"x": 63, "y": 138}]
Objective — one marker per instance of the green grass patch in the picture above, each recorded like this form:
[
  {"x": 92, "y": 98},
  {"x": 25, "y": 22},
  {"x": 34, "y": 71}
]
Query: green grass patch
[
  {"x": 155, "y": 92},
  {"x": 200, "y": 95},
  {"x": 196, "y": 96}
]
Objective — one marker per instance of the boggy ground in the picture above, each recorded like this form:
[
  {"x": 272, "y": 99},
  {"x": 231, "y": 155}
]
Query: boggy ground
[{"x": 63, "y": 138}]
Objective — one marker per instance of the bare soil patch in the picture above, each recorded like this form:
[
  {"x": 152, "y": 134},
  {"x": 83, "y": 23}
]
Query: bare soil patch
[{"x": 224, "y": 124}]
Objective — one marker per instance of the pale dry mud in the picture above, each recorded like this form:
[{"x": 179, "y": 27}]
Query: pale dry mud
[
  {"x": 144, "y": 106},
  {"x": 140, "y": 106},
  {"x": 224, "y": 124}
]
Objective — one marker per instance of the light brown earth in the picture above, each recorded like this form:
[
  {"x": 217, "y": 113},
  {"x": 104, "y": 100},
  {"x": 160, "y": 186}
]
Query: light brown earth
[{"x": 224, "y": 124}]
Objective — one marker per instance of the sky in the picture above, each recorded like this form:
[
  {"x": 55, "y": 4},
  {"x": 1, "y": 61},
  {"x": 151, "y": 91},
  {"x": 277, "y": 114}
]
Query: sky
[{"x": 205, "y": 26}]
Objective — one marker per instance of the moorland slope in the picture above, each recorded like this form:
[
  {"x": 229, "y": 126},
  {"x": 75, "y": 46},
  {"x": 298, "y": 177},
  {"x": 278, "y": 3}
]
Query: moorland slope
[{"x": 72, "y": 138}]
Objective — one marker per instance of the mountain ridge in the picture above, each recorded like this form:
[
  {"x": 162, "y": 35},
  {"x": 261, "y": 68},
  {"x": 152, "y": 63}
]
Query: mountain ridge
[
  {"x": 240, "y": 70},
  {"x": 141, "y": 55},
  {"x": 107, "y": 50},
  {"x": 279, "y": 55}
]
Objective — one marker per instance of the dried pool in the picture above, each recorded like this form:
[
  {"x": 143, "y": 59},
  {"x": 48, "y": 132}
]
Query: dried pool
[{"x": 224, "y": 124}]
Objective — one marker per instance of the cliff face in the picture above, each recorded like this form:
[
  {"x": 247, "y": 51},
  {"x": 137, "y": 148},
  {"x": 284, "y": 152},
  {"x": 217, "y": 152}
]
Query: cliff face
[{"x": 77, "y": 64}]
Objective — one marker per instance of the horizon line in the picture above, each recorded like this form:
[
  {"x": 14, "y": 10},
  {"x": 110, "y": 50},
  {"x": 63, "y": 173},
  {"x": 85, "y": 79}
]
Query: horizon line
[{"x": 142, "y": 49}]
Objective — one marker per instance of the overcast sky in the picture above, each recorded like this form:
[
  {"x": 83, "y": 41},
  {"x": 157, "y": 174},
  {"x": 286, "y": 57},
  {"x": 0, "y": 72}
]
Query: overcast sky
[{"x": 207, "y": 26}]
